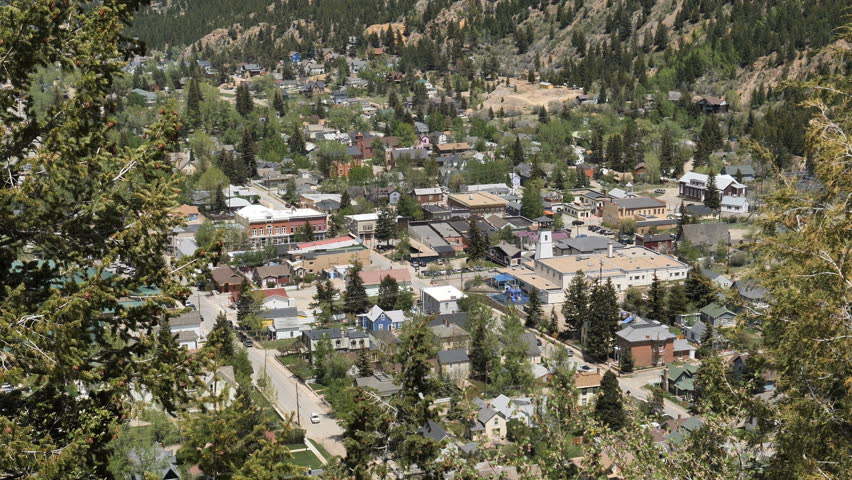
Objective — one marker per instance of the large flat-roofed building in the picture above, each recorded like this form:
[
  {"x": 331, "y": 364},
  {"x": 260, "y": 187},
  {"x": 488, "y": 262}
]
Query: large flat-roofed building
[
  {"x": 267, "y": 226},
  {"x": 480, "y": 204},
  {"x": 363, "y": 224},
  {"x": 627, "y": 267},
  {"x": 630, "y": 208}
]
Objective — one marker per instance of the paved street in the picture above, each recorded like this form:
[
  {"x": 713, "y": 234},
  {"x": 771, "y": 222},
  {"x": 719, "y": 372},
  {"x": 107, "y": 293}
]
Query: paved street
[
  {"x": 267, "y": 199},
  {"x": 287, "y": 387}
]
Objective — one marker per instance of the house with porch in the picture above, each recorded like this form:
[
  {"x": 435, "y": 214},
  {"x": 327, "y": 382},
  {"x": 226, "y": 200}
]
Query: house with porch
[
  {"x": 678, "y": 379},
  {"x": 377, "y": 319}
]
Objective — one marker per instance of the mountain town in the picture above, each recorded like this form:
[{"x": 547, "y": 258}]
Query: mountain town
[{"x": 442, "y": 239}]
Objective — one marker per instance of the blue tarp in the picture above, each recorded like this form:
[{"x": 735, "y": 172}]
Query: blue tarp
[{"x": 503, "y": 277}]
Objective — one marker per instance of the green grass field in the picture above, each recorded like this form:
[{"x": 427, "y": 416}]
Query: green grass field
[{"x": 306, "y": 458}]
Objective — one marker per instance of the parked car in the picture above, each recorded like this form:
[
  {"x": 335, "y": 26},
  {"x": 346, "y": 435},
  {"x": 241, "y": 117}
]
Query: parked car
[
  {"x": 660, "y": 191},
  {"x": 248, "y": 342},
  {"x": 583, "y": 235},
  {"x": 594, "y": 228},
  {"x": 315, "y": 418}
]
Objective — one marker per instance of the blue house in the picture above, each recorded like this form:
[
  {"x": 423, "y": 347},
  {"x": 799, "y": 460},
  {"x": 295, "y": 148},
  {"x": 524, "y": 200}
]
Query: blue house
[
  {"x": 295, "y": 57},
  {"x": 377, "y": 319}
]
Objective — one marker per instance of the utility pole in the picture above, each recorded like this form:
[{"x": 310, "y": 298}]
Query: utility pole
[{"x": 298, "y": 411}]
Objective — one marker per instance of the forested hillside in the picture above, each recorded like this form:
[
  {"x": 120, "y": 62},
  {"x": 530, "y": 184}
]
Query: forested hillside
[{"x": 580, "y": 41}]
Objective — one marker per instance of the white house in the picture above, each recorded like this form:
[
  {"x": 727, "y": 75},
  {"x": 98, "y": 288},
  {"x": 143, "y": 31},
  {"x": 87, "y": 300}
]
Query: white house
[
  {"x": 287, "y": 322},
  {"x": 187, "y": 327},
  {"x": 731, "y": 204},
  {"x": 442, "y": 299}
]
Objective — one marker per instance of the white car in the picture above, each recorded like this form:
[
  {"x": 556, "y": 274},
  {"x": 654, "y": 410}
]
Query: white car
[{"x": 315, "y": 418}]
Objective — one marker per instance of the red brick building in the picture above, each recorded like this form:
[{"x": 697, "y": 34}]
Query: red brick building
[
  {"x": 650, "y": 342},
  {"x": 266, "y": 226}
]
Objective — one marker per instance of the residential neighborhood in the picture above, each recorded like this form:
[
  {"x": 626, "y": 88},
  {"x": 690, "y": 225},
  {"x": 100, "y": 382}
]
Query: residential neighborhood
[{"x": 425, "y": 240}]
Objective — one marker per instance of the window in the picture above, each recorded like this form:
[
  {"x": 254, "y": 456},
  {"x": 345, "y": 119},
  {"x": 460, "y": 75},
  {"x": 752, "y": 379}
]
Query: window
[{"x": 253, "y": 232}]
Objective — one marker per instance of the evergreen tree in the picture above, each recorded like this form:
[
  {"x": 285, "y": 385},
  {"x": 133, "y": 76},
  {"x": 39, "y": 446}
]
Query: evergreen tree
[
  {"x": 603, "y": 320},
  {"x": 291, "y": 196},
  {"x": 706, "y": 347},
  {"x": 654, "y": 407},
  {"x": 709, "y": 140},
  {"x": 365, "y": 368},
  {"x": 220, "y": 441},
  {"x": 247, "y": 154},
  {"x": 321, "y": 356},
  {"x": 70, "y": 373},
  {"x": 388, "y": 293},
  {"x": 609, "y": 409},
  {"x": 677, "y": 302},
  {"x": 345, "y": 200},
  {"x": 517, "y": 152},
  {"x": 355, "y": 299},
  {"x": 193, "y": 102},
  {"x": 386, "y": 228},
  {"x": 712, "y": 199},
  {"x": 365, "y": 429},
  {"x": 484, "y": 355},
  {"x": 515, "y": 372},
  {"x": 296, "y": 142},
  {"x": 533, "y": 311},
  {"x": 305, "y": 233},
  {"x": 243, "y": 101},
  {"x": 699, "y": 289},
  {"x": 221, "y": 338},
  {"x": 625, "y": 363},
  {"x": 657, "y": 300},
  {"x": 278, "y": 103},
  {"x": 532, "y": 205},
  {"x": 219, "y": 202},
  {"x": 246, "y": 302},
  {"x": 614, "y": 153},
  {"x": 667, "y": 160},
  {"x": 414, "y": 400},
  {"x": 478, "y": 246},
  {"x": 683, "y": 220},
  {"x": 576, "y": 307}
]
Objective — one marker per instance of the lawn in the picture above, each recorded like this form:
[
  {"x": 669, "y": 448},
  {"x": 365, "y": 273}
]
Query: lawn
[
  {"x": 321, "y": 449},
  {"x": 278, "y": 344},
  {"x": 260, "y": 400},
  {"x": 306, "y": 458}
]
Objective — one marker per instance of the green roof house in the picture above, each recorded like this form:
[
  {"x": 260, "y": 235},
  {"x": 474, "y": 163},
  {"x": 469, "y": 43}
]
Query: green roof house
[{"x": 678, "y": 380}]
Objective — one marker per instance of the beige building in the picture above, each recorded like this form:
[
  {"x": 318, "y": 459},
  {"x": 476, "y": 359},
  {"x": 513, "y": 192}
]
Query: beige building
[
  {"x": 317, "y": 261},
  {"x": 635, "y": 208},
  {"x": 480, "y": 204},
  {"x": 627, "y": 267},
  {"x": 489, "y": 424},
  {"x": 363, "y": 225},
  {"x": 587, "y": 384}
]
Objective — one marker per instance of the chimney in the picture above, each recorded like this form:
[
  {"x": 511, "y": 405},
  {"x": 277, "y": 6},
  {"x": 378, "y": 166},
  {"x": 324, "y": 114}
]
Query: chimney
[{"x": 609, "y": 249}]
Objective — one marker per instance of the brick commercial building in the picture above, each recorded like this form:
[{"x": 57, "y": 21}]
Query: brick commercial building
[
  {"x": 481, "y": 204},
  {"x": 650, "y": 342},
  {"x": 632, "y": 208},
  {"x": 267, "y": 226}
]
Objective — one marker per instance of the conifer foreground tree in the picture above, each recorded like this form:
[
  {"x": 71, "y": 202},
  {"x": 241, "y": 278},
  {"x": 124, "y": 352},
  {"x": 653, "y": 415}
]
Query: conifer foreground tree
[
  {"x": 388, "y": 293},
  {"x": 355, "y": 299},
  {"x": 94, "y": 204},
  {"x": 609, "y": 409}
]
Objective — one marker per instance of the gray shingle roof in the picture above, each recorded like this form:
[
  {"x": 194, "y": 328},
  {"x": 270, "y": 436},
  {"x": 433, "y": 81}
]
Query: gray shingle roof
[
  {"x": 639, "y": 202},
  {"x": 446, "y": 357}
]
